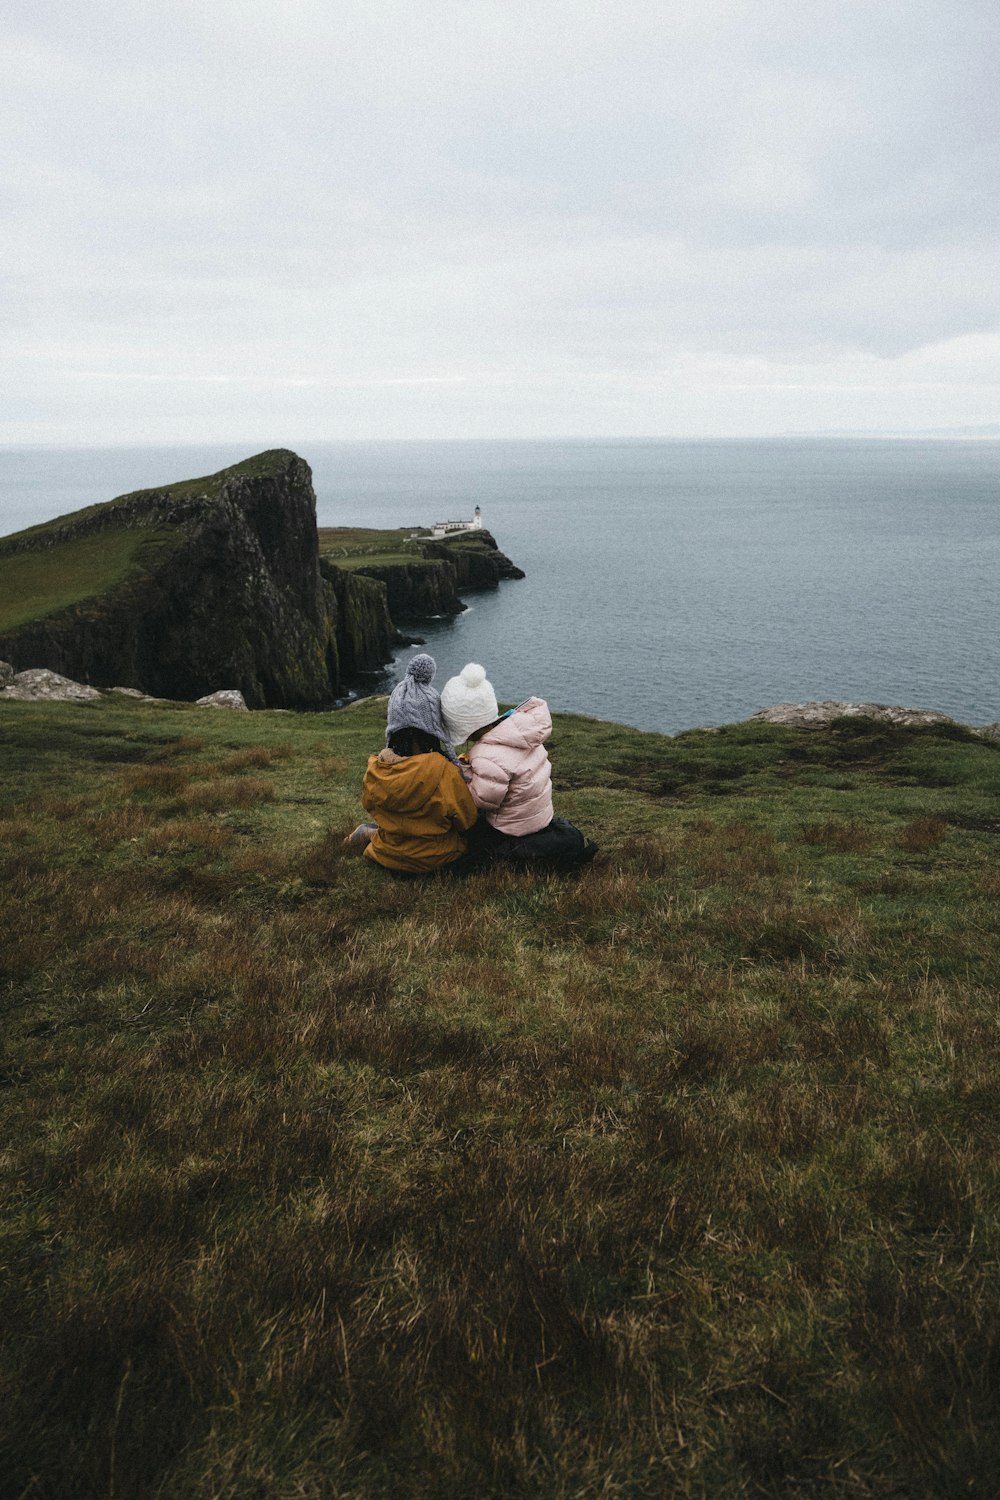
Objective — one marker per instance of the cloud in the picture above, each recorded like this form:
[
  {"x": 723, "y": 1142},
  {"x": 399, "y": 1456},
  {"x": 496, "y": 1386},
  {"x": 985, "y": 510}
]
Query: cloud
[{"x": 373, "y": 195}]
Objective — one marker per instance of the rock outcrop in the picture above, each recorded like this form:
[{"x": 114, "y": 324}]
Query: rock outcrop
[
  {"x": 39, "y": 685},
  {"x": 802, "y": 715},
  {"x": 224, "y": 698},
  {"x": 825, "y": 711}
]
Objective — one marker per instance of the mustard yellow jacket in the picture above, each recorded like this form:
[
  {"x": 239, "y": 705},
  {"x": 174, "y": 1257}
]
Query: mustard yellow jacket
[{"x": 422, "y": 808}]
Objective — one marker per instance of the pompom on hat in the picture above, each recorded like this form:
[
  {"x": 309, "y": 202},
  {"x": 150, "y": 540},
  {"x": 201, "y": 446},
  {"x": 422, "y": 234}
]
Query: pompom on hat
[
  {"x": 468, "y": 702},
  {"x": 414, "y": 704}
]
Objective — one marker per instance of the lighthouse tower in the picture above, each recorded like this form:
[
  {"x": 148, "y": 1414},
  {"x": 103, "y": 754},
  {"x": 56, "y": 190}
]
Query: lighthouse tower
[{"x": 477, "y": 519}]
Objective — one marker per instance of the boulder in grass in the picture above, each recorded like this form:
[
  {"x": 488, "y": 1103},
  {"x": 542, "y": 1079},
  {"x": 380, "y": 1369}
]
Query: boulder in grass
[
  {"x": 225, "y": 698},
  {"x": 6, "y": 674},
  {"x": 38, "y": 685},
  {"x": 136, "y": 693}
]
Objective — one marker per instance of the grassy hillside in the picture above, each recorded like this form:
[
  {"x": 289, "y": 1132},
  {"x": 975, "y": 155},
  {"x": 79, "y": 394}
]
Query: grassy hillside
[
  {"x": 342, "y": 542},
  {"x": 36, "y": 584},
  {"x": 678, "y": 1178},
  {"x": 367, "y": 546}
]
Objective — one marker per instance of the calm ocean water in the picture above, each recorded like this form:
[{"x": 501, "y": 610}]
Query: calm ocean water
[{"x": 668, "y": 584}]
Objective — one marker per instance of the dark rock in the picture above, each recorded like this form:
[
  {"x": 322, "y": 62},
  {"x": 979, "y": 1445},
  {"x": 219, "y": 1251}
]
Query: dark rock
[{"x": 362, "y": 631}]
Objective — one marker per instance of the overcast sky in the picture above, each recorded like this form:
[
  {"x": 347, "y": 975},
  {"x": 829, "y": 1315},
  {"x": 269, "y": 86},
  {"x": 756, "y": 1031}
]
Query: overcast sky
[{"x": 274, "y": 222}]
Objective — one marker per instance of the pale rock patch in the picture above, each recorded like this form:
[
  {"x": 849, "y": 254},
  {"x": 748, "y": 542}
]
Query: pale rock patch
[
  {"x": 38, "y": 685},
  {"x": 804, "y": 715},
  {"x": 225, "y": 698}
]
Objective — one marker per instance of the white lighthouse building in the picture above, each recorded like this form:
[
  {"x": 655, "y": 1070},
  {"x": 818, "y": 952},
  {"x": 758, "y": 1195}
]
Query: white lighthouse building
[{"x": 451, "y": 528}]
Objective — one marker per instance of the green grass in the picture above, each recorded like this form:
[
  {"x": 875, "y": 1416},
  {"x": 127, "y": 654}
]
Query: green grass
[
  {"x": 380, "y": 560},
  {"x": 365, "y": 546},
  {"x": 337, "y": 541},
  {"x": 678, "y": 1178},
  {"x": 36, "y": 584}
]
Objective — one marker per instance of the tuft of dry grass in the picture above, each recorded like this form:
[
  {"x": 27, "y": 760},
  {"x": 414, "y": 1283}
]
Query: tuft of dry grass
[
  {"x": 923, "y": 833},
  {"x": 223, "y": 792},
  {"x": 253, "y": 757},
  {"x": 852, "y": 837}
]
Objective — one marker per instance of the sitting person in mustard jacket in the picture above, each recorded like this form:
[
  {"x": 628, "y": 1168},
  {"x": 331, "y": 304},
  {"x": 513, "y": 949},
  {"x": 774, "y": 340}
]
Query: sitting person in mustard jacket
[{"x": 414, "y": 788}]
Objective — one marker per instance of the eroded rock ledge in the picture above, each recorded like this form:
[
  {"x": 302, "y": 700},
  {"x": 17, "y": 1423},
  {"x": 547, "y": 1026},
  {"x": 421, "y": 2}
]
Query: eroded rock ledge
[{"x": 809, "y": 715}]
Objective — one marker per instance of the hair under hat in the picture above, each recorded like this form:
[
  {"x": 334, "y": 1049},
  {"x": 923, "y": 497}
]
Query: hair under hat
[{"x": 468, "y": 702}]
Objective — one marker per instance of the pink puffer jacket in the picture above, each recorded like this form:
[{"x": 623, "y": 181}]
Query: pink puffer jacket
[{"x": 511, "y": 776}]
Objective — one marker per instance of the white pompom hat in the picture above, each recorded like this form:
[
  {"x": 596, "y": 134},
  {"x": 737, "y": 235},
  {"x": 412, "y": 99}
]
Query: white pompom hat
[{"x": 467, "y": 703}]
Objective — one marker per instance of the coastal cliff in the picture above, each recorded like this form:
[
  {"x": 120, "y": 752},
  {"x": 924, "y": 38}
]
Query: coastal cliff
[
  {"x": 210, "y": 583},
  {"x": 219, "y": 582},
  {"x": 422, "y": 576}
]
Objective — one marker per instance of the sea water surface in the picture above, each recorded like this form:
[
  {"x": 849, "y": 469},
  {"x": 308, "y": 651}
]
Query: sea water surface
[{"x": 669, "y": 584}]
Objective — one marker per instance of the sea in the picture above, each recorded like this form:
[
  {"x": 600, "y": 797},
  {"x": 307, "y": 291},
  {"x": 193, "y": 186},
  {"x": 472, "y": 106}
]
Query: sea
[{"x": 669, "y": 584}]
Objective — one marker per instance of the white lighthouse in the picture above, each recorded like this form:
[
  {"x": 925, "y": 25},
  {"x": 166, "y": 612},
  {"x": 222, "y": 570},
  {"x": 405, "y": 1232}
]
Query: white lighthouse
[{"x": 452, "y": 528}]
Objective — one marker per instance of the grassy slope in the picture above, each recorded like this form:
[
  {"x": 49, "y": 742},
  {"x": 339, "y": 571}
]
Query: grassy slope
[
  {"x": 679, "y": 1178},
  {"x": 377, "y": 559},
  {"x": 340, "y": 541},
  {"x": 36, "y": 584},
  {"x": 365, "y": 546}
]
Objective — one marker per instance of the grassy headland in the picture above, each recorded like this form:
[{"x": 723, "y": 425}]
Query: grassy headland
[
  {"x": 367, "y": 546},
  {"x": 36, "y": 584},
  {"x": 678, "y": 1178}
]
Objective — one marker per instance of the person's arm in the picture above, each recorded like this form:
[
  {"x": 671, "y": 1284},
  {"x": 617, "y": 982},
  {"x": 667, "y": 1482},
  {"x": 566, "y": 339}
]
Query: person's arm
[
  {"x": 489, "y": 783},
  {"x": 459, "y": 806}
]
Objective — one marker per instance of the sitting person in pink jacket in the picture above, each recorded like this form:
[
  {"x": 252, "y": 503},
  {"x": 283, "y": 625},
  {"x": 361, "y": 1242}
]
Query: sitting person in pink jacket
[{"x": 509, "y": 774}]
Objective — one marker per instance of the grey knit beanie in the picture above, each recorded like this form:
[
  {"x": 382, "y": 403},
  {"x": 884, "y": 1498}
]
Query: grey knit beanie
[{"x": 414, "y": 704}]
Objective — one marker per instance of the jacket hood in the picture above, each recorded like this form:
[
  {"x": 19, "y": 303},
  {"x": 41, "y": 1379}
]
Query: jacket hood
[
  {"x": 403, "y": 783},
  {"x": 524, "y": 729}
]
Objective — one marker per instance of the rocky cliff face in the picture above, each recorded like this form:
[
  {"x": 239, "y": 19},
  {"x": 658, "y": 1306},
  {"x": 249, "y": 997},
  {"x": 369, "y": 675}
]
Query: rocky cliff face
[
  {"x": 231, "y": 596},
  {"x": 363, "y": 632}
]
